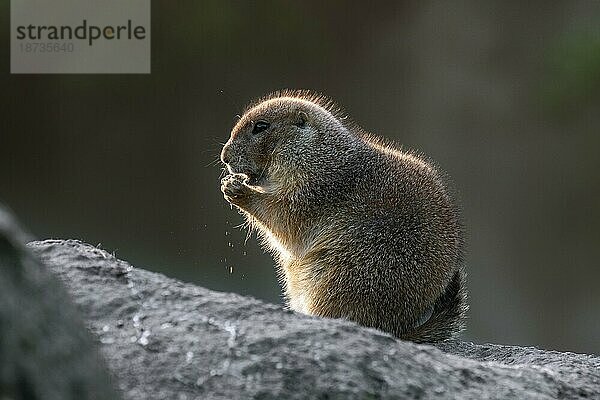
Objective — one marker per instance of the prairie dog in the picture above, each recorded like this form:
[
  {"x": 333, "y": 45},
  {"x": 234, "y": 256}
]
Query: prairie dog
[{"x": 359, "y": 228}]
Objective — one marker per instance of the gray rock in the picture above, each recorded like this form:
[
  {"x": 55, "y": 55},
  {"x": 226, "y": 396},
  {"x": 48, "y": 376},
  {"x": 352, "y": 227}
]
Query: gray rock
[
  {"x": 46, "y": 351},
  {"x": 168, "y": 340}
]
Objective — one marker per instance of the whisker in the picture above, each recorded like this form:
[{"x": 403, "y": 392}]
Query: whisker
[{"x": 214, "y": 162}]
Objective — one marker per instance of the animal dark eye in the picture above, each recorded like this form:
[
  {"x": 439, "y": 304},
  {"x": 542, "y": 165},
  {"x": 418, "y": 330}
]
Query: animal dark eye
[{"x": 260, "y": 126}]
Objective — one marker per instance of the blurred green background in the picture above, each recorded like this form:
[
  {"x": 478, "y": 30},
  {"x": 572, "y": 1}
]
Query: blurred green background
[{"x": 505, "y": 96}]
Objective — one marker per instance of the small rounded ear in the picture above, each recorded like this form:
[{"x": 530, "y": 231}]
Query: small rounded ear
[{"x": 301, "y": 119}]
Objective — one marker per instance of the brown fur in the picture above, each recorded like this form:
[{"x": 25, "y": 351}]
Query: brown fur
[{"x": 359, "y": 229}]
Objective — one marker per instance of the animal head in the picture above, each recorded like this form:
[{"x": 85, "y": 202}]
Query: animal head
[{"x": 278, "y": 135}]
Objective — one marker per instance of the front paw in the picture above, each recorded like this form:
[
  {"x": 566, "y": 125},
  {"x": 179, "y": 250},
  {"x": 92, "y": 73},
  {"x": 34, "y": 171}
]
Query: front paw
[{"x": 234, "y": 189}]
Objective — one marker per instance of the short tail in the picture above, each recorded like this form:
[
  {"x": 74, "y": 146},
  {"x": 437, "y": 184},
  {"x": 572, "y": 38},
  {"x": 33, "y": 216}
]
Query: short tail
[{"x": 448, "y": 315}]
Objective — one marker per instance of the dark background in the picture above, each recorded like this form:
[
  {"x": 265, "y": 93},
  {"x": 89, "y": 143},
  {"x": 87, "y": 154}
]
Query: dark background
[{"x": 505, "y": 96}]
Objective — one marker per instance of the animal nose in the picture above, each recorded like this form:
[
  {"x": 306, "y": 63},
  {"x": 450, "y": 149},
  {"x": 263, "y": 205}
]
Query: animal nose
[{"x": 225, "y": 155}]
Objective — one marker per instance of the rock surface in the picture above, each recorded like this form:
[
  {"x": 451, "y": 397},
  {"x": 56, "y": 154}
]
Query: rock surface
[
  {"x": 46, "y": 351},
  {"x": 168, "y": 340}
]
